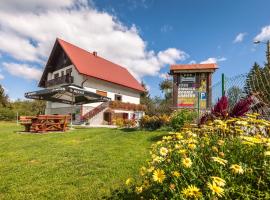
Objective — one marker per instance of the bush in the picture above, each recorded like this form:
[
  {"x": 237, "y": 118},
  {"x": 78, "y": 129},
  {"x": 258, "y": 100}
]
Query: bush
[
  {"x": 6, "y": 114},
  {"x": 181, "y": 117},
  {"x": 225, "y": 159},
  {"x": 125, "y": 123},
  {"x": 154, "y": 122}
]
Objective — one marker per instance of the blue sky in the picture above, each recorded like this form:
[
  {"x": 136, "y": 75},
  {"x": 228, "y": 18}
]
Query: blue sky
[{"x": 193, "y": 30}]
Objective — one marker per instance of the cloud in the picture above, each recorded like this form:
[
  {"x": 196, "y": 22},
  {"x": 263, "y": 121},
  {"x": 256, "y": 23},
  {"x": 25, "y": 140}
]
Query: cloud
[
  {"x": 23, "y": 71},
  {"x": 29, "y": 36},
  {"x": 192, "y": 62},
  {"x": 264, "y": 34},
  {"x": 213, "y": 60},
  {"x": 166, "y": 28},
  {"x": 164, "y": 75},
  {"x": 239, "y": 38},
  {"x": 2, "y": 76}
]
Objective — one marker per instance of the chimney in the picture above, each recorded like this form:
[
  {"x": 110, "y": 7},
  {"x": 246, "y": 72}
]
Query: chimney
[{"x": 94, "y": 53}]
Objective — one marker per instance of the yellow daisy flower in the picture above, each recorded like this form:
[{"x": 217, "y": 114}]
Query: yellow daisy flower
[
  {"x": 237, "y": 169},
  {"x": 176, "y": 174},
  {"x": 186, "y": 162},
  {"x": 159, "y": 175},
  {"x": 219, "y": 181},
  {"x": 219, "y": 191},
  {"x": 191, "y": 192},
  {"x": 139, "y": 190},
  {"x": 220, "y": 160},
  {"x": 192, "y": 146},
  {"x": 128, "y": 181},
  {"x": 163, "y": 151}
]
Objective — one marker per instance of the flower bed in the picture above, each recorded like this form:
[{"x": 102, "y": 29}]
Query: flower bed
[{"x": 228, "y": 159}]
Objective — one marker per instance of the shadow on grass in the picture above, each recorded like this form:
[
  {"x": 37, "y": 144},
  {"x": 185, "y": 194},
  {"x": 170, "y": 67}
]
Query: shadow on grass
[
  {"x": 157, "y": 137},
  {"x": 129, "y": 129}
]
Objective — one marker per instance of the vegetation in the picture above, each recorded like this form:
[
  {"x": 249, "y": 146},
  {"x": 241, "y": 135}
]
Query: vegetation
[
  {"x": 78, "y": 164},
  {"x": 9, "y": 110},
  {"x": 227, "y": 159},
  {"x": 181, "y": 117}
]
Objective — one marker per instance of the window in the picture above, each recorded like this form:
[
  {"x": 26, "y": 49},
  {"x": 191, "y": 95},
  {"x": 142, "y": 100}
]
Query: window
[
  {"x": 118, "y": 97},
  {"x": 68, "y": 72},
  {"x": 56, "y": 75}
]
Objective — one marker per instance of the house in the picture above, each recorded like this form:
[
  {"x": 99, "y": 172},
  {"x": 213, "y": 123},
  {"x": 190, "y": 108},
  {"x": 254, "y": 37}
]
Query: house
[{"x": 69, "y": 64}]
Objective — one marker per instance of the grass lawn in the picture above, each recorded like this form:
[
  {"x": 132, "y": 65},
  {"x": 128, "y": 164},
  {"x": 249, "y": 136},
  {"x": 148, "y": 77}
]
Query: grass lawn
[{"x": 79, "y": 164}]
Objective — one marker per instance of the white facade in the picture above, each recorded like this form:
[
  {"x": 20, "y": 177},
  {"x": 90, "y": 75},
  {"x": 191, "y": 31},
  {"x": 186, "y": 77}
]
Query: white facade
[{"x": 94, "y": 85}]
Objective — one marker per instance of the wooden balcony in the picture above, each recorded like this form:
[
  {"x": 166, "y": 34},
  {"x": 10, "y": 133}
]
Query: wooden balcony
[
  {"x": 60, "y": 80},
  {"x": 126, "y": 106}
]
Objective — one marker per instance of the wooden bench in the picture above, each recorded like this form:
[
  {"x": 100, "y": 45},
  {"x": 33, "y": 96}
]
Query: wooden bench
[{"x": 45, "y": 123}]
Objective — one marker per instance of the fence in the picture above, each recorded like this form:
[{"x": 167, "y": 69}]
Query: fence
[{"x": 237, "y": 87}]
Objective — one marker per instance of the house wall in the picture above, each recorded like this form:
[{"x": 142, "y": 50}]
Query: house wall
[{"x": 91, "y": 84}]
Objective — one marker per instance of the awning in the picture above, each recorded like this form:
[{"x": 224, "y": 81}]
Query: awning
[{"x": 68, "y": 94}]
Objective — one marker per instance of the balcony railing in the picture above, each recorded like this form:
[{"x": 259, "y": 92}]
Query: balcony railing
[{"x": 59, "y": 80}]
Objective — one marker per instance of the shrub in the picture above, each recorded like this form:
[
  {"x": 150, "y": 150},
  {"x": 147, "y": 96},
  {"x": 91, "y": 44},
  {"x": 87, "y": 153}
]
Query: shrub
[
  {"x": 127, "y": 123},
  {"x": 154, "y": 122},
  {"x": 181, "y": 117},
  {"x": 215, "y": 161},
  {"x": 6, "y": 114}
]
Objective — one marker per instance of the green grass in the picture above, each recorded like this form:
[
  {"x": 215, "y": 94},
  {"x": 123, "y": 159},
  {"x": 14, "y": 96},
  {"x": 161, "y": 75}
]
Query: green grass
[{"x": 79, "y": 164}]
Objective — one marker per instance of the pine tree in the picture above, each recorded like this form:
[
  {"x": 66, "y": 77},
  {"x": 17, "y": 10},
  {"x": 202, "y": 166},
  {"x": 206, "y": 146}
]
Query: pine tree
[{"x": 3, "y": 97}]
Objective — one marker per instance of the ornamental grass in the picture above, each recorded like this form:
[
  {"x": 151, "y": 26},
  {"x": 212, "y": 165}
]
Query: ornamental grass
[{"x": 227, "y": 159}]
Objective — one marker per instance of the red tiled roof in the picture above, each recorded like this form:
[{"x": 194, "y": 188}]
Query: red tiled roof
[
  {"x": 92, "y": 65},
  {"x": 211, "y": 66}
]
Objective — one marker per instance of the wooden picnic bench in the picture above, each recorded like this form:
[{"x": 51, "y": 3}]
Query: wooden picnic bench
[{"x": 45, "y": 123}]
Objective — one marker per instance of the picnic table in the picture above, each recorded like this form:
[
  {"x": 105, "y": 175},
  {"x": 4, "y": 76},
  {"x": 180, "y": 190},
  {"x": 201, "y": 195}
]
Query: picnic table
[{"x": 45, "y": 123}]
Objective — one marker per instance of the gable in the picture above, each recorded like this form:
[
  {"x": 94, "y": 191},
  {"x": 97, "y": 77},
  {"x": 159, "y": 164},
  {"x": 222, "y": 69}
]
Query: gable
[{"x": 95, "y": 66}]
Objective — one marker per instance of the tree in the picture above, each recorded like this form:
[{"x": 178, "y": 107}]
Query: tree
[
  {"x": 234, "y": 95},
  {"x": 146, "y": 100},
  {"x": 3, "y": 97},
  {"x": 166, "y": 87},
  {"x": 258, "y": 83}
]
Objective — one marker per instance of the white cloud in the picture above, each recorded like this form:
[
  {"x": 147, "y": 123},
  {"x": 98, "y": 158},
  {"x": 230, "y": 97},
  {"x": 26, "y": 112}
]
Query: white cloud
[
  {"x": 23, "y": 71},
  {"x": 264, "y": 34},
  {"x": 29, "y": 36},
  {"x": 239, "y": 38},
  {"x": 164, "y": 75},
  {"x": 213, "y": 60},
  {"x": 2, "y": 76},
  {"x": 192, "y": 62}
]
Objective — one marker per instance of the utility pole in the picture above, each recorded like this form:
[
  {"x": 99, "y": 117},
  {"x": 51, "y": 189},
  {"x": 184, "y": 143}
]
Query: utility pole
[{"x": 268, "y": 53}]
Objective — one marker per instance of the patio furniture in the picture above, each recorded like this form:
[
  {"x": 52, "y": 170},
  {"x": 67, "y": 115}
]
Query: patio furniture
[{"x": 45, "y": 123}]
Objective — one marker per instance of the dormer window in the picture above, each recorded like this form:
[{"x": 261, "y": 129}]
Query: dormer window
[
  {"x": 68, "y": 72},
  {"x": 56, "y": 75}
]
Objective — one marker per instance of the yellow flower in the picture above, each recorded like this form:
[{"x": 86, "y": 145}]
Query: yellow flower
[
  {"x": 186, "y": 162},
  {"x": 192, "y": 146},
  {"x": 221, "y": 154},
  {"x": 146, "y": 183},
  {"x": 220, "y": 160},
  {"x": 159, "y": 175},
  {"x": 219, "y": 191},
  {"x": 237, "y": 169},
  {"x": 220, "y": 142},
  {"x": 139, "y": 190},
  {"x": 143, "y": 171},
  {"x": 128, "y": 181},
  {"x": 163, "y": 151},
  {"x": 151, "y": 169},
  {"x": 214, "y": 148},
  {"x": 172, "y": 186},
  {"x": 191, "y": 192},
  {"x": 182, "y": 151},
  {"x": 177, "y": 146},
  {"x": 176, "y": 174},
  {"x": 267, "y": 153},
  {"x": 219, "y": 181}
]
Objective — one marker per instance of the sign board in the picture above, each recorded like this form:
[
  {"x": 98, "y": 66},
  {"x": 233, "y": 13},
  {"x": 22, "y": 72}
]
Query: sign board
[{"x": 187, "y": 91}]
